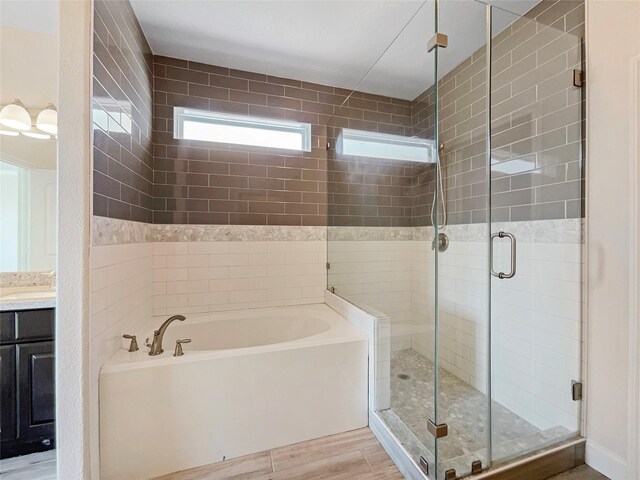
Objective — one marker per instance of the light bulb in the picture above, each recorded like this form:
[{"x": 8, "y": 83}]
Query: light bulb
[
  {"x": 47, "y": 120},
  {"x": 8, "y": 133},
  {"x": 15, "y": 115}
]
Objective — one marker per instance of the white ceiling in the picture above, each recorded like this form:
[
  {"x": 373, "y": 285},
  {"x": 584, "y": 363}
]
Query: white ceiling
[
  {"x": 32, "y": 15},
  {"x": 328, "y": 42}
]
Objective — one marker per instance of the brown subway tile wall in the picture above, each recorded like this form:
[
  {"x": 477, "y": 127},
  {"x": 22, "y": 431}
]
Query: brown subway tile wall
[
  {"x": 537, "y": 118},
  {"x": 203, "y": 182},
  {"x": 367, "y": 191},
  {"x": 215, "y": 183},
  {"x": 142, "y": 173},
  {"x": 122, "y": 112}
]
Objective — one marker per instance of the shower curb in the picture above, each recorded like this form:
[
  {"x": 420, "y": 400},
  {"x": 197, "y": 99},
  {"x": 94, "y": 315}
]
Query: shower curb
[{"x": 541, "y": 465}]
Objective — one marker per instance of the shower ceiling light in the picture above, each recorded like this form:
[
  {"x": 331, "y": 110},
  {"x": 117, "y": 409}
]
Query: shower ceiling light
[
  {"x": 15, "y": 115},
  {"x": 47, "y": 120}
]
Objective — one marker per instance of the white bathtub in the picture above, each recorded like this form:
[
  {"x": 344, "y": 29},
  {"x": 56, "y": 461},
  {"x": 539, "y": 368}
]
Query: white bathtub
[{"x": 249, "y": 381}]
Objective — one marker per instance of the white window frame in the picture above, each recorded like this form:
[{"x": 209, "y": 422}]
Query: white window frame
[
  {"x": 180, "y": 115},
  {"x": 23, "y": 206},
  {"x": 362, "y": 143}
]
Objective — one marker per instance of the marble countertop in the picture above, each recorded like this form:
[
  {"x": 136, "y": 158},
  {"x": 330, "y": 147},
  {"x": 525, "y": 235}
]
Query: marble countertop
[{"x": 27, "y": 298}]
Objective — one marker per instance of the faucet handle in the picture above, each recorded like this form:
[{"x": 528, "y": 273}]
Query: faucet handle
[
  {"x": 134, "y": 343},
  {"x": 155, "y": 334},
  {"x": 178, "y": 352}
]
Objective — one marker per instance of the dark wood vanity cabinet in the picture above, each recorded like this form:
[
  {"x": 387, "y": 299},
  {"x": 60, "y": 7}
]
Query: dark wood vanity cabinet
[{"x": 27, "y": 382}]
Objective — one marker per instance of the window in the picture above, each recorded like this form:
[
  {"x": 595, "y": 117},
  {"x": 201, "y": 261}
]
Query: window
[
  {"x": 241, "y": 130},
  {"x": 14, "y": 216},
  {"x": 383, "y": 145}
]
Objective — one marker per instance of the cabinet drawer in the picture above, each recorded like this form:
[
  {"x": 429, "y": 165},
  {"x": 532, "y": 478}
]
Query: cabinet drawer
[{"x": 34, "y": 325}]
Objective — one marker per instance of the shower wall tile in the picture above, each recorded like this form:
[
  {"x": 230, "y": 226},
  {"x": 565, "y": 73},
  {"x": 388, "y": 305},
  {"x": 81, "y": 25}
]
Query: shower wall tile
[
  {"x": 122, "y": 115},
  {"x": 536, "y": 315},
  {"x": 537, "y": 117},
  {"x": 376, "y": 275},
  {"x": 213, "y": 183},
  {"x": 365, "y": 191},
  {"x": 142, "y": 173},
  {"x": 536, "y": 322},
  {"x": 121, "y": 302}
]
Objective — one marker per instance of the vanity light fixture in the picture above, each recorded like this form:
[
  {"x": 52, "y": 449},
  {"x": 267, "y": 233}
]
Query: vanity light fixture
[
  {"x": 47, "y": 120},
  {"x": 9, "y": 133},
  {"x": 15, "y": 115},
  {"x": 33, "y": 133}
]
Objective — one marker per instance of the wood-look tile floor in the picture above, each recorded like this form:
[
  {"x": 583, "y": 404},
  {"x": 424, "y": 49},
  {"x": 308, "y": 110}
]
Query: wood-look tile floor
[
  {"x": 36, "y": 466},
  {"x": 583, "y": 472},
  {"x": 355, "y": 455}
]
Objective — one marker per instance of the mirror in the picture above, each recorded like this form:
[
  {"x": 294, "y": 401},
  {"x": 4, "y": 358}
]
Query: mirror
[{"x": 28, "y": 72}]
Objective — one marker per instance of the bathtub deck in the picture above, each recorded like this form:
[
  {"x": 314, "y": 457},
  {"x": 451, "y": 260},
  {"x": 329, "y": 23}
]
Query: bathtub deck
[{"x": 355, "y": 455}]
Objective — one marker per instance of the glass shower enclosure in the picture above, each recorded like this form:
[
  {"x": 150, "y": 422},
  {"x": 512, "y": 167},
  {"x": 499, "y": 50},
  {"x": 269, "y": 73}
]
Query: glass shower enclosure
[{"x": 455, "y": 205}]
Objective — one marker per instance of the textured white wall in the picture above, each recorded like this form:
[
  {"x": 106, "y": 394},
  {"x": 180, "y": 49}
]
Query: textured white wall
[
  {"x": 613, "y": 39},
  {"x": 74, "y": 194}
]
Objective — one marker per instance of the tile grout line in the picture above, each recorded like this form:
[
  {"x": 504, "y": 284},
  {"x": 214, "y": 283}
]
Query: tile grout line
[
  {"x": 271, "y": 461},
  {"x": 367, "y": 461}
]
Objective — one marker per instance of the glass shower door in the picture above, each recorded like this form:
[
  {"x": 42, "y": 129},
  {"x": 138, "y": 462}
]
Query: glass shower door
[
  {"x": 536, "y": 199},
  {"x": 462, "y": 232},
  {"x": 507, "y": 286}
]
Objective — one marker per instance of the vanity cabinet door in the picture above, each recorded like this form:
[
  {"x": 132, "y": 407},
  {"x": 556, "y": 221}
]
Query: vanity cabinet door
[
  {"x": 36, "y": 404},
  {"x": 8, "y": 393},
  {"x": 7, "y": 327}
]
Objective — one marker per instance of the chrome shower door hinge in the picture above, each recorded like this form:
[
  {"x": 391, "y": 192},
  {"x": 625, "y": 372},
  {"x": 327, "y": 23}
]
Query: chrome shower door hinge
[
  {"x": 450, "y": 474},
  {"x": 578, "y": 78},
  {"x": 438, "y": 40},
  {"x": 424, "y": 465},
  {"x": 576, "y": 390},
  {"x": 438, "y": 431},
  {"x": 476, "y": 467}
]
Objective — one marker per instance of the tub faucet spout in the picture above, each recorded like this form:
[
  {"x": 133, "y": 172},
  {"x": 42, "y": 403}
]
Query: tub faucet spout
[{"x": 156, "y": 345}]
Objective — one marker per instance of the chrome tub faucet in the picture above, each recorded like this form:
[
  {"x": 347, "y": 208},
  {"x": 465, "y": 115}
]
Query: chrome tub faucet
[{"x": 156, "y": 345}]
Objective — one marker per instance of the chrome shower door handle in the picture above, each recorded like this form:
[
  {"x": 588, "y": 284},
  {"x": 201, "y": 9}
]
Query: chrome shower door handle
[{"x": 512, "y": 239}]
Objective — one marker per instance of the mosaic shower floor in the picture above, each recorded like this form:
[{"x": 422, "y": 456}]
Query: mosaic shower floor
[{"x": 462, "y": 407}]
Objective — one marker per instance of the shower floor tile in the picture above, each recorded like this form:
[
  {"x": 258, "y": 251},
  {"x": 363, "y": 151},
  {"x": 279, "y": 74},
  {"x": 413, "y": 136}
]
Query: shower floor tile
[{"x": 462, "y": 407}]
